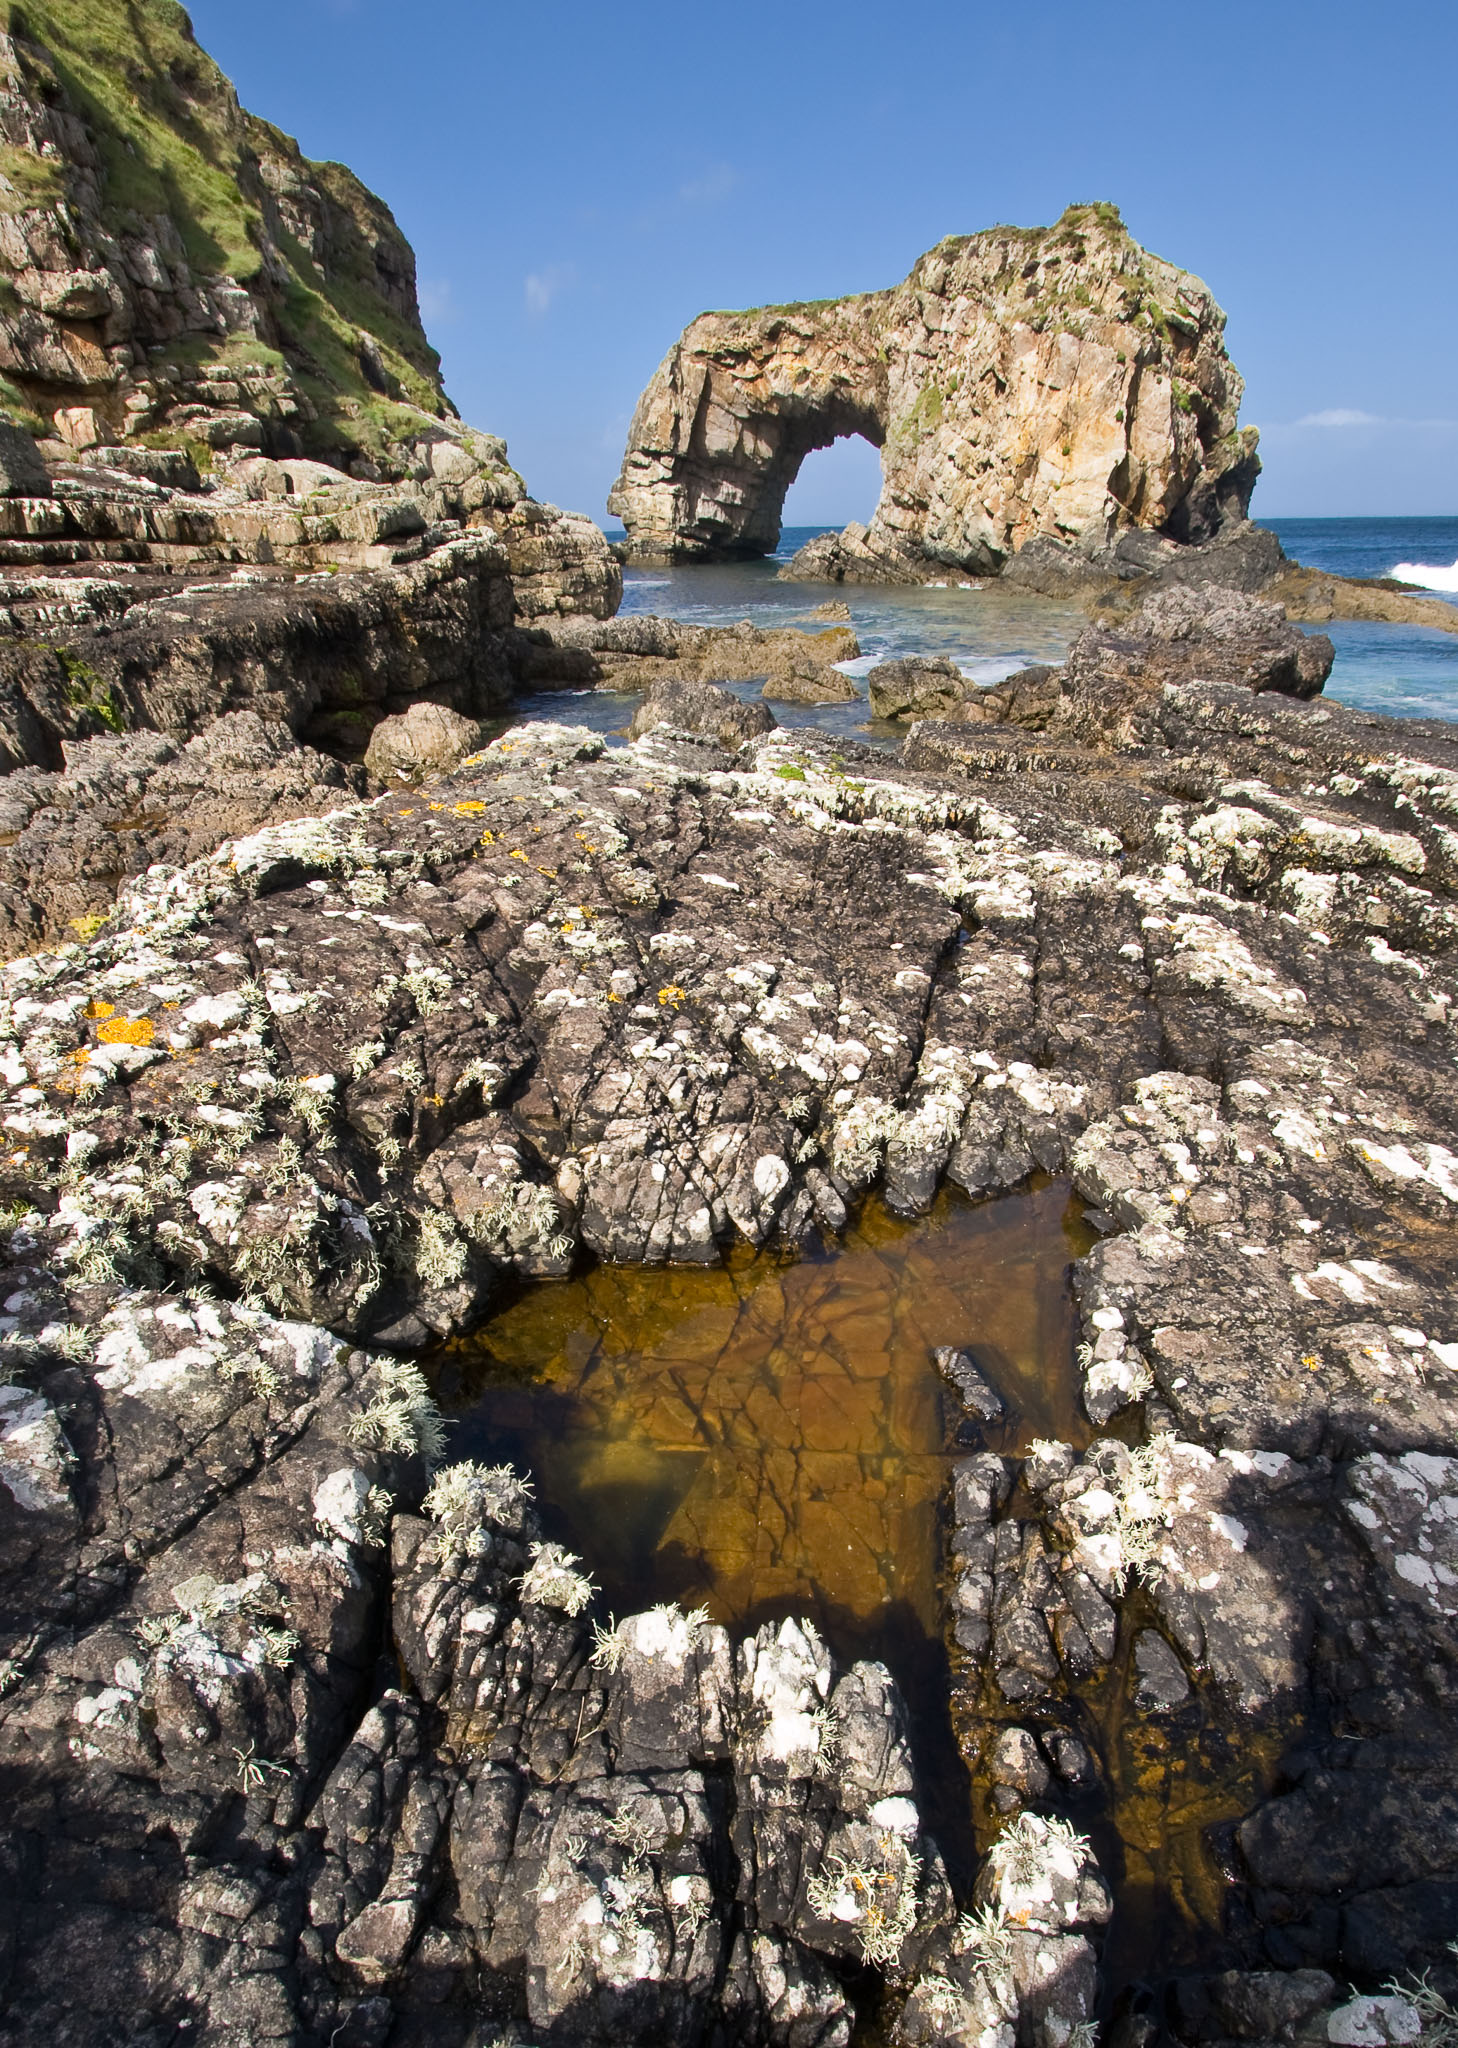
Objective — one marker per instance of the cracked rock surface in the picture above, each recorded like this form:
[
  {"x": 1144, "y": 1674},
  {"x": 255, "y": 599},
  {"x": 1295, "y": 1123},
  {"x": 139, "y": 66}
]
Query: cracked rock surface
[{"x": 303, "y": 1745}]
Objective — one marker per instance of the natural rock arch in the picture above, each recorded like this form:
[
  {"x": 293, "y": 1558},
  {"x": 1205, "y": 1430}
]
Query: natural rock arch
[{"x": 1049, "y": 382}]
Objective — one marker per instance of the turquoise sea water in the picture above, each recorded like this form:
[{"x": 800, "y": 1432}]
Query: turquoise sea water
[{"x": 1403, "y": 670}]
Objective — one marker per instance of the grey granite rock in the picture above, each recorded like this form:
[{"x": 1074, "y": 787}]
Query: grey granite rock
[{"x": 977, "y": 1394}]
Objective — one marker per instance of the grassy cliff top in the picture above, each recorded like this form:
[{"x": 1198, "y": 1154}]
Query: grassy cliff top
[{"x": 321, "y": 254}]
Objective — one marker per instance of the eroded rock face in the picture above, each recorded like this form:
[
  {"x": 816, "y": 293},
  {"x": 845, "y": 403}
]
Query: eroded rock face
[
  {"x": 1056, "y": 382},
  {"x": 106, "y": 285}
]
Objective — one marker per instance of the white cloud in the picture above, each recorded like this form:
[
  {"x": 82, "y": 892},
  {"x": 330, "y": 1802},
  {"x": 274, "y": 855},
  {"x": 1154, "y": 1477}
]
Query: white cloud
[
  {"x": 437, "y": 302},
  {"x": 542, "y": 286},
  {"x": 1342, "y": 416}
]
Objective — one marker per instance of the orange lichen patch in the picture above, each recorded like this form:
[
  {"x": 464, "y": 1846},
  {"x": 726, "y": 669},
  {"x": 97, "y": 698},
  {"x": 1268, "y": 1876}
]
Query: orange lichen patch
[
  {"x": 436, "y": 807},
  {"x": 550, "y": 873},
  {"x": 672, "y": 993},
  {"x": 487, "y": 839},
  {"x": 470, "y": 807},
  {"x": 172, "y": 1006},
  {"x": 97, "y": 1008},
  {"x": 613, "y": 996},
  {"x": 127, "y": 1031},
  {"x": 517, "y": 854}
]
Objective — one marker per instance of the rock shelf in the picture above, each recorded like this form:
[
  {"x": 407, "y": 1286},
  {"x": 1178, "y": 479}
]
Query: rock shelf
[{"x": 341, "y": 1085}]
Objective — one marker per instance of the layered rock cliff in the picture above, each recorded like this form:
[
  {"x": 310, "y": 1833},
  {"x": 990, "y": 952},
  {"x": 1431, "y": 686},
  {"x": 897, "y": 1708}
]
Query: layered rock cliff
[
  {"x": 1048, "y": 382},
  {"x": 178, "y": 273},
  {"x": 211, "y": 353}
]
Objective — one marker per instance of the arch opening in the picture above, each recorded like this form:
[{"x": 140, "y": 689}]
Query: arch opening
[{"x": 834, "y": 485}]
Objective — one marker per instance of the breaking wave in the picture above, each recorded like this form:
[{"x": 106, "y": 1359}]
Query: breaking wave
[{"x": 1429, "y": 575}]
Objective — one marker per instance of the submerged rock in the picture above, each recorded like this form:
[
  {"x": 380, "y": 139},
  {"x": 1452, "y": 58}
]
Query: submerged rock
[
  {"x": 976, "y": 1392},
  {"x": 1161, "y": 1682}
]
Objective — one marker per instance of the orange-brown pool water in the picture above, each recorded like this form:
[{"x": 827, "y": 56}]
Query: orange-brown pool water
[{"x": 773, "y": 1435}]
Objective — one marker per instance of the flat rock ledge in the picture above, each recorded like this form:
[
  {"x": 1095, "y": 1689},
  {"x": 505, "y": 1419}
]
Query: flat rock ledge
[{"x": 303, "y": 1744}]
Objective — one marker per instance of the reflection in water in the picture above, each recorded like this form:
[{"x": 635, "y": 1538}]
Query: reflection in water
[{"x": 772, "y": 1435}]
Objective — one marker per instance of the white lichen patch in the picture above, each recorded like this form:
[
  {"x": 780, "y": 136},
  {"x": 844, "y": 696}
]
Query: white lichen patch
[
  {"x": 1406, "y": 1512},
  {"x": 35, "y": 1458}
]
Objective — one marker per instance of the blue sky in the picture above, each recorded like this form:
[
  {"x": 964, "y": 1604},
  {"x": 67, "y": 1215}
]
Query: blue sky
[{"x": 578, "y": 181}]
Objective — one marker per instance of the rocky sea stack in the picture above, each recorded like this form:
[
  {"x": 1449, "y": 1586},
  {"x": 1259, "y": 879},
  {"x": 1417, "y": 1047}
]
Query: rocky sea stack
[
  {"x": 1024, "y": 383},
  {"x": 341, "y": 1016}
]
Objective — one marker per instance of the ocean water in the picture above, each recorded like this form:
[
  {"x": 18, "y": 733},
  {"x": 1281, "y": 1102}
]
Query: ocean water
[
  {"x": 1405, "y": 671},
  {"x": 1373, "y": 547}
]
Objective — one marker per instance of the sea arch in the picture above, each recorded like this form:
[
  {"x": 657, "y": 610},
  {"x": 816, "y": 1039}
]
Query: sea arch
[{"x": 1024, "y": 383}]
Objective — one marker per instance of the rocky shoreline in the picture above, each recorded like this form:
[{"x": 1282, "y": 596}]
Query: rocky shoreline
[
  {"x": 1188, "y": 940},
  {"x": 338, "y": 1010}
]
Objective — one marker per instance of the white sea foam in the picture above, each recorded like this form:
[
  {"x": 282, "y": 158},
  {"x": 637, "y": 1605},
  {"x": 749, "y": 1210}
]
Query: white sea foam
[{"x": 1431, "y": 576}]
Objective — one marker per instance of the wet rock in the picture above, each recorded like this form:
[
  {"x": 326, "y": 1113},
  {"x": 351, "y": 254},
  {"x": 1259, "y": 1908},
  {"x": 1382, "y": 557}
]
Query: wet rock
[
  {"x": 1070, "y": 1759},
  {"x": 917, "y": 687},
  {"x": 702, "y": 708},
  {"x": 1254, "y": 2005},
  {"x": 979, "y": 1487},
  {"x": 428, "y": 739},
  {"x": 1160, "y": 1684},
  {"x": 1017, "y": 1769},
  {"x": 978, "y": 1396}
]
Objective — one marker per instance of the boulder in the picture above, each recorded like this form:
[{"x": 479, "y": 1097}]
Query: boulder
[
  {"x": 428, "y": 739},
  {"x": 1184, "y": 635},
  {"x": 22, "y": 472},
  {"x": 798, "y": 680},
  {"x": 702, "y": 708},
  {"x": 921, "y": 686}
]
